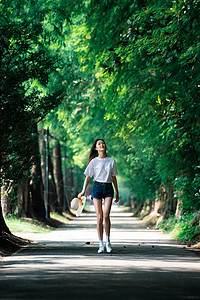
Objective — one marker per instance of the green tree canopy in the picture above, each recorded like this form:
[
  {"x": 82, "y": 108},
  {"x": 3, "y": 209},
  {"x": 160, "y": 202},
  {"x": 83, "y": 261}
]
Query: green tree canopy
[{"x": 31, "y": 79}]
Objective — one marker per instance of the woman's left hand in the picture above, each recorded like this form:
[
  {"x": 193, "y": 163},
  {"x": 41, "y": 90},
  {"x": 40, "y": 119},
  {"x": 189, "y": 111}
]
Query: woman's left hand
[{"x": 117, "y": 198}]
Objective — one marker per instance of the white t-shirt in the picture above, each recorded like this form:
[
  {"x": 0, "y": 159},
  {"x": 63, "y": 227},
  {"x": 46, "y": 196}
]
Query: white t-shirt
[{"x": 102, "y": 169}]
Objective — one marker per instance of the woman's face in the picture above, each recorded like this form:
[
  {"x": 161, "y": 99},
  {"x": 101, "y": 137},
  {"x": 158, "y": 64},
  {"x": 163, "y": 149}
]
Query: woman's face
[{"x": 100, "y": 146}]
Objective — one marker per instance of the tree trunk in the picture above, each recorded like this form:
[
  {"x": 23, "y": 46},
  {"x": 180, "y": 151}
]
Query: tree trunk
[
  {"x": 23, "y": 200},
  {"x": 69, "y": 178},
  {"x": 44, "y": 145},
  {"x": 138, "y": 208},
  {"x": 42, "y": 153},
  {"x": 53, "y": 198},
  {"x": 5, "y": 199},
  {"x": 30, "y": 193},
  {"x": 9, "y": 243},
  {"x": 170, "y": 201},
  {"x": 37, "y": 209},
  {"x": 66, "y": 199},
  {"x": 1, "y": 220},
  {"x": 3, "y": 226},
  {"x": 57, "y": 169},
  {"x": 52, "y": 193},
  {"x": 196, "y": 218},
  {"x": 37, "y": 193},
  {"x": 178, "y": 209}
]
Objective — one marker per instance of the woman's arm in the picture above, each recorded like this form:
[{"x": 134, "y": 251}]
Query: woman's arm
[
  {"x": 85, "y": 184},
  {"x": 116, "y": 188}
]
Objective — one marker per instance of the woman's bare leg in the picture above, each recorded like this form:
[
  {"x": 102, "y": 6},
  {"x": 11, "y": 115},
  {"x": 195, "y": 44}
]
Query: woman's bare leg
[
  {"x": 106, "y": 214},
  {"x": 99, "y": 213}
]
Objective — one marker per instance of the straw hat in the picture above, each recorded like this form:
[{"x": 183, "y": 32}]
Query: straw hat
[{"x": 78, "y": 205}]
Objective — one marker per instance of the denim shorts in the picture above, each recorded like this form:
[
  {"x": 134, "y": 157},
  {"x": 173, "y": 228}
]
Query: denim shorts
[{"x": 102, "y": 190}]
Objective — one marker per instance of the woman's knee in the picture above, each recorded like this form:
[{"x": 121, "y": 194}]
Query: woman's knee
[
  {"x": 106, "y": 218},
  {"x": 100, "y": 218}
]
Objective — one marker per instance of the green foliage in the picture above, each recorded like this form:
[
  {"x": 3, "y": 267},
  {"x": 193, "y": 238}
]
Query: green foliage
[
  {"x": 26, "y": 225},
  {"x": 126, "y": 71},
  {"x": 149, "y": 68},
  {"x": 31, "y": 33},
  {"x": 187, "y": 189},
  {"x": 180, "y": 229},
  {"x": 137, "y": 88}
]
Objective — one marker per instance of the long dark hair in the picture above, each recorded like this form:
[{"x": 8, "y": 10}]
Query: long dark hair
[{"x": 93, "y": 151}]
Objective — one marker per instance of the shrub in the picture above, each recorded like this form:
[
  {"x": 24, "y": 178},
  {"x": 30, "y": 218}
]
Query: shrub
[{"x": 180, "y": 229}]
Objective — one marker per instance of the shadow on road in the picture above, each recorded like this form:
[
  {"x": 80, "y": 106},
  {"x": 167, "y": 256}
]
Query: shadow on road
[{"x": 64, "y": 264}]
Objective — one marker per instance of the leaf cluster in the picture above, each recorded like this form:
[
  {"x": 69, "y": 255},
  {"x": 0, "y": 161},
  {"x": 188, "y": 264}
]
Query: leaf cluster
[
  {"x": 148, "y": 56},
  {"x": 29, "y": 77}
]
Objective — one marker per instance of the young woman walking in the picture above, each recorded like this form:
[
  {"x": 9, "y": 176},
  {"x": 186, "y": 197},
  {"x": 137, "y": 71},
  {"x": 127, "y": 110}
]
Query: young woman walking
[{"x": 103, "y": 169}]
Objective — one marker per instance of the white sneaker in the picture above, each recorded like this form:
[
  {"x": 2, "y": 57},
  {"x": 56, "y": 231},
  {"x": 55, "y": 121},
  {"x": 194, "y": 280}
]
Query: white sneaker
[
  {"x": 101, "y": 249},
  {"x": 108, "y": 248}
]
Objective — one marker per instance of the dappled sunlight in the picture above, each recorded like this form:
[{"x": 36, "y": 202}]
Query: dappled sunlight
[
  {"x": 106, "y": 263},
  {"x": 142, "y": 260},
  {"x": 123, "y": 75}
]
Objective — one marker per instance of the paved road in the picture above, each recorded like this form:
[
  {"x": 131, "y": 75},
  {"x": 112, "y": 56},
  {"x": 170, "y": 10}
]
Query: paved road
[{"x": 64, "y": 264}]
